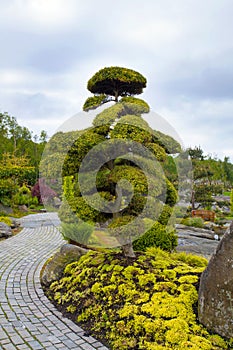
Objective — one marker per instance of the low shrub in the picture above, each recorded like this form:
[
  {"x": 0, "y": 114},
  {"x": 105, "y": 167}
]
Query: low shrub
[
  {"x": 24, "y": 197},
  {"x": 157, "y": 236},
  {"x": 147, "y": 303},
  {"x": 6, "y": 220},
  {"x": 79, "y": 232},
  {"x": 195, "y": 222}
]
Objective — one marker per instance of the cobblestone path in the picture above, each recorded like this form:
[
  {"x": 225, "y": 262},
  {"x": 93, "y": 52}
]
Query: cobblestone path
[{"x": 27, "y": 319}]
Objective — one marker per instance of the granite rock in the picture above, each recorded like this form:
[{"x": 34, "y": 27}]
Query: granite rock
[
  {"x": 5, "y": 230},
  {"x": 215, "y": 306}
]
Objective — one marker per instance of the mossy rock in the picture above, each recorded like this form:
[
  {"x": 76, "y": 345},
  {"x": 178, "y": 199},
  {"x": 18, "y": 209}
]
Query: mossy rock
[{"x": 54, "y": 266}]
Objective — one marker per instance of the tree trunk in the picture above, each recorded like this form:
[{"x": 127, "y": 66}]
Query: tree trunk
[
  {"x": 128, "y": 250},
  {"x": 116, "y": 96},
  {"x": 193, "y": 200}
]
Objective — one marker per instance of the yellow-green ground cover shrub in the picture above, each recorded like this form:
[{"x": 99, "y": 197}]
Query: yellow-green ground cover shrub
[
  {"x": 6, "y": 220},
  {"x": 149, "y": 302}
]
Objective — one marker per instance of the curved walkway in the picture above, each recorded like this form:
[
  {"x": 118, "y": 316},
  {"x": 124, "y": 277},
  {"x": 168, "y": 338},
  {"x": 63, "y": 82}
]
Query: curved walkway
[{"x": 27, "y": 319}]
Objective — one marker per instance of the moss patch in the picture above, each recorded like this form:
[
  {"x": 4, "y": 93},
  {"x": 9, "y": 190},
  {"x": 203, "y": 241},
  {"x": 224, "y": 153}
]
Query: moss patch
[{"x": 149, "y": 302}]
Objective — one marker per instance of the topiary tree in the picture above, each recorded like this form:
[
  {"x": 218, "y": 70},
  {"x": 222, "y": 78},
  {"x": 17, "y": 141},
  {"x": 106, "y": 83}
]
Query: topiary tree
[
  {"x": 111, "y": 82},
  {"x": 115, "y": 166}
]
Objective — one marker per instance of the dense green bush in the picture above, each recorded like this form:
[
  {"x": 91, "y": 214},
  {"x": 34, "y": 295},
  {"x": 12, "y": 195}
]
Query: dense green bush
[
  {"x": 157, "y": 236},
  {"x": 24, "y": 197},
  {"x": 7, "y": 189},
  {"x": 135, "y": 105},
  {"x": 79, "y": 232},
  {"x": 195, "y": 222},
  {"x": 165, "y": 216}
]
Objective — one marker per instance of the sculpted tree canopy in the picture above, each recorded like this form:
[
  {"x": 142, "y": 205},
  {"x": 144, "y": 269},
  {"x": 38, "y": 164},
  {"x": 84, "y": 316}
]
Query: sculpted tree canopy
[
  {"x": 113, "y": 176},
  {"x": 113, "y": 82}
]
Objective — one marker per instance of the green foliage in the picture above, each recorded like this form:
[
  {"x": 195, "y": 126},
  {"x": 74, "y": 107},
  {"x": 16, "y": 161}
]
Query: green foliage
[
  {"x": 24, "y": 197},
  {"x": 6, "y": 220},
  {"x": 228, "y": 170},
  {"x": 109, "y": 115},
  {"x": 231, "y": 200},
  {"x": 157, "y": 236},
  {"x": 158, "y": 151},
  {"x": 127, "y": 182},
  {"x": 171, "y": 194},
  {"x": 135, "y": 105},
  {"x": 165, "y": 215},
  {"x": 94, "y": 102},
  {"x": 79, "y": 232},
  {"x": 147, "y": 304},
  {"x": 196, "y": 153},
  {"x": 15, "y": 174},
  {"x": 116, "y": 81},
  {"x": 133, "y": 128},
  {"x": 203, "y": 194},
  {"x": 72, "y": 227},
  {"x": 66, "y": 213},
  {"x": 126, "y": 228},
  {"x": 211, "y": 177},
  {"x": 18, "y": 169},
  {"x": 53, "y": 158},
  {"x": 7, "y": 189},
  {"x": 17, "y": 141},
  {"x": 167, "y": 142},
  {"x": 80, "y": 148},
  {"x": 134, "y": 175},
  {"x": 195, "y": 222}
]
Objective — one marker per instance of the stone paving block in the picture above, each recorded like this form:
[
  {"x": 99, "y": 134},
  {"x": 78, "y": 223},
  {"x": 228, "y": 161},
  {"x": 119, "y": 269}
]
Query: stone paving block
[
  {"x": 35, "y": 344},
  {"x": 23, "y": 347},
  {"x": 73, "y": 336},
  {"x": 27, "y": 318},
  {"x": 90, "y": 339},
  {"x": 69, "y": 344},
  {"x": 17, "y": 340},
  {"x": 9, "y": 347},
  {"x": 53, "y": 339},
  {"x": 86, "y": 346},
  {"x": 97, "y": 345}
]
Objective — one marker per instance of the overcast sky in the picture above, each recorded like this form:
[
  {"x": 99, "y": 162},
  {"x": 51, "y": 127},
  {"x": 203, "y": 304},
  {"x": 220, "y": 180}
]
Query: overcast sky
[{"x": 50, "y": 48}]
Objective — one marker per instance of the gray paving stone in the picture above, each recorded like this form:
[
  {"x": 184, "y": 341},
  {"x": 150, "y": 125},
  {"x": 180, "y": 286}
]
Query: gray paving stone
[
  {"x": 27, "y": 318},
  {"x": 86, "y": 346}
]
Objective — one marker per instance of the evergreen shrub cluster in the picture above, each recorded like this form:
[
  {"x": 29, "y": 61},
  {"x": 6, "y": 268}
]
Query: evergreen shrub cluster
[
  {"x": 195, "y": 222},
  {"x": 148, "y": 302}
]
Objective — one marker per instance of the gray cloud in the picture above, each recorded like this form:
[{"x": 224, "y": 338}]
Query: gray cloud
[{"x": 184, "y": 48}]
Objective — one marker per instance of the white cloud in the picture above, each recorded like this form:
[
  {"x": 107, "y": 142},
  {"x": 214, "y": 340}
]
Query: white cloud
[{"x": 44, "y": 15}]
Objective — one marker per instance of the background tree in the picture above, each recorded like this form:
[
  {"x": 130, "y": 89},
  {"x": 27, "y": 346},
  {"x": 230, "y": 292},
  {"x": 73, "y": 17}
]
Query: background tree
[
  {"x": 19, "y": 157},
  {"x": 196, "y": 153},
  {"x": 211, "y": 177},
  {"x": 14, "y": 173},
  {"x": 133, "y": 154}
]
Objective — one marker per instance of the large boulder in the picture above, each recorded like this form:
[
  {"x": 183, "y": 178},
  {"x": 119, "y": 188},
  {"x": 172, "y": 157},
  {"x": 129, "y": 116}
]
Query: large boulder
[
  {"x": 5, "y": 209},
  {"x": 215, "y": 309},
  {"x": 5, "y": 230},
  {"x": 54, "y": 267}
]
